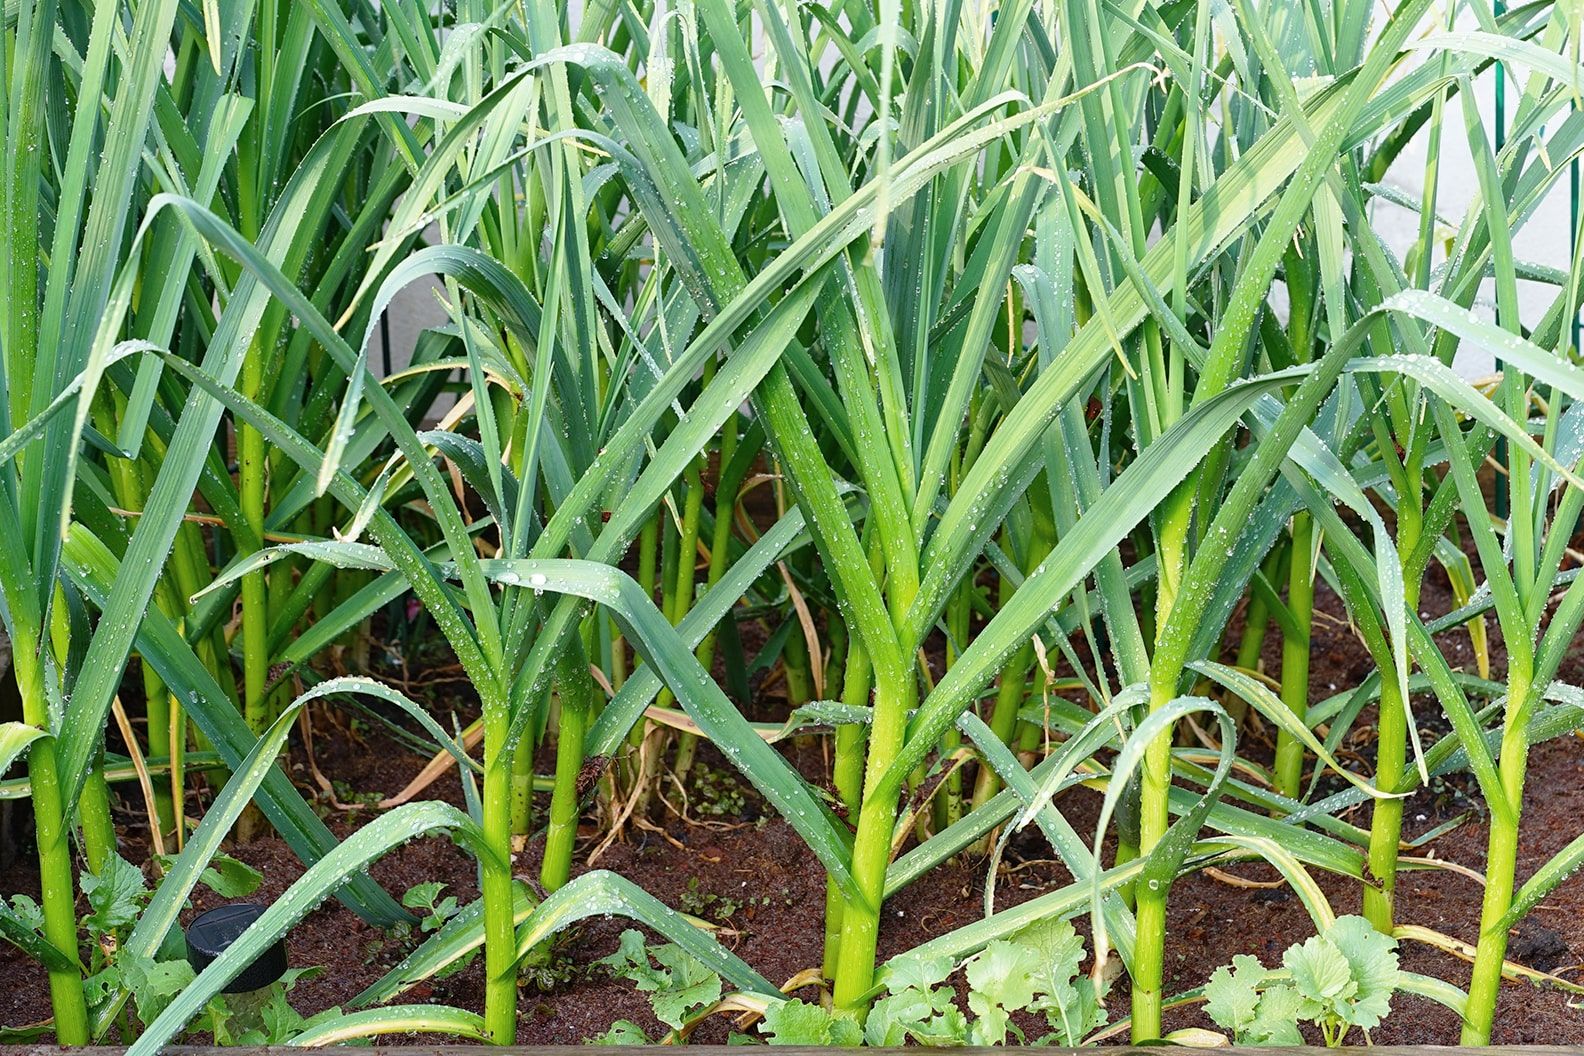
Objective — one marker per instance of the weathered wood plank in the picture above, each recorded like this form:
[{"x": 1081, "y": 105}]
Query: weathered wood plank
[{"x": 790, "y": 1050}]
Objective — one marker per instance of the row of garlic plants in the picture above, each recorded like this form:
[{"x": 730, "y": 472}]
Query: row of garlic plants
[{"x": 992, "y": 355}]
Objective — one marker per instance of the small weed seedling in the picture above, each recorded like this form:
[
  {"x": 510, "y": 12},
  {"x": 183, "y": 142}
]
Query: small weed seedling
[
  {"x": 1035, "y": 970},
  {"x": 679, "y": 989},
  {"x": 425, "y": 899},
  {"x": 1337, "y": 980}
]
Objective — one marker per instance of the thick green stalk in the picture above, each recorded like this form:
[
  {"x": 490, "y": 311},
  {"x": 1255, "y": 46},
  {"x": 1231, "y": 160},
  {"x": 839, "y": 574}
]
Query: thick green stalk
[
  {"x": 1295, "y": 654},
  {"x": 656, "y": 735},
  {"x": 648, "y": 547},
  {"x": 1031, "y": 735},
  {"x": 720, "y": 551},
  {"x": 687, "y": 544},
  {"x": 577, "y": 693},
  {"x": 720, "y": 542},
  {"x": 1391, "y": 744},
  {"x": 847, "y": 777},
  {"x": 894, "y": 699},
  {"x": 93, "y": 802},
  {"x": 495, "y": 886},
  {"x": 251, "y": 452},
  {"x": 1391, "y": 755},
  {"x": 851, "y": 744},
  {"x": 176, "y": 746},
  {"x": 1523, "y": 547},
  {"x": 57, "y": 893},
  {"x": 799, "y": 668},
  {"x": 188, "y": 565},
  {"x": 251, "y": 472},
  {"x": 618, "y": 661},
  {"x": 157, "y": 705},
  {"x": 93, "y": 812},
  {"x": 522, "y": 788},
  {"x": 682, "y": 596},
  {"x": 949, "y": 799},
  {"x": 57, "y": 896},
  {"x": 1501, "y": 861},
  {"x": 255, "y": 600},
  {"x": 1010, "y": 695},
  {"x": 1256, "y": 623},
  {"x": 1155, "y": 783},
  {"x": 860, "y": 920}
]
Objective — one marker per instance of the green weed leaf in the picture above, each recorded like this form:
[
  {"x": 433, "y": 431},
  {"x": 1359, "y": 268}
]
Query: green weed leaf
[
  {"x": 797, "y": 1022},
  {"x": 621, "y": 1032},
  {"x": 680, "y": 988},
  {"x": 226, "y": 876},
  {"x": 115, "y": 894}
]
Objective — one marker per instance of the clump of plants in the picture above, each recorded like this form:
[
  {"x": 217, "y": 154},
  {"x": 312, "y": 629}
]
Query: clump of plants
[
  {"x": 1338, "y": 980},
  {"x": 1036, "y": 971},
  {"x": 903, "y": 400}
]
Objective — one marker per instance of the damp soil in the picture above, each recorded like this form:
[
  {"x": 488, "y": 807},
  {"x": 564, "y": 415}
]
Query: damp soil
[{"x": 724, "y": 858}]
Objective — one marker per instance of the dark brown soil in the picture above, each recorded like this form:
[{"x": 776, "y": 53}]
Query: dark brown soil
[{"x": 753, "y": 875}]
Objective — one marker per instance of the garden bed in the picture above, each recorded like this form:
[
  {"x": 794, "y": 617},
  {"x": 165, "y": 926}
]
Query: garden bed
[
  {"x": 848, "y": 430},
  {"x": 737, "y": 865}
]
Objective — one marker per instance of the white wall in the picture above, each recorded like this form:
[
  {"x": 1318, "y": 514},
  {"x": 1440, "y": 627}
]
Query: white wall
[{"x": 1545, "y": 238}]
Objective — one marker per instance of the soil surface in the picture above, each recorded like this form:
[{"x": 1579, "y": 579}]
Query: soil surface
[{"x": 729, "y": 861}]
